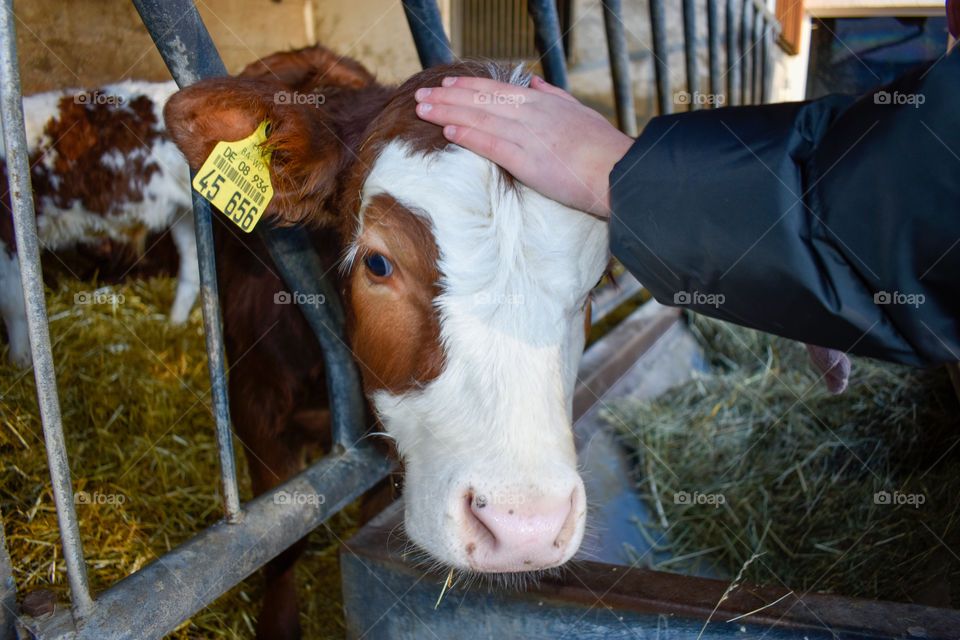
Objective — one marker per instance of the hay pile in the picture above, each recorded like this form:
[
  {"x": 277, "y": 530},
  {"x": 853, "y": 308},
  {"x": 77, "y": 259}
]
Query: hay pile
[
  {"x": 134, "y": 393},
  {"x": 857, "y": 494}
]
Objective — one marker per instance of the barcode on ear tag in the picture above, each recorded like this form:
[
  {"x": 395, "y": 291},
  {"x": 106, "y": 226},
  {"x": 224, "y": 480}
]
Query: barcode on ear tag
[{"x": 235, "y": 178}]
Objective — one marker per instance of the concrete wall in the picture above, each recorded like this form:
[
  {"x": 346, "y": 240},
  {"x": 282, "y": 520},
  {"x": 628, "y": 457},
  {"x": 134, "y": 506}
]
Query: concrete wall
[{"x": 85, "y": 43}]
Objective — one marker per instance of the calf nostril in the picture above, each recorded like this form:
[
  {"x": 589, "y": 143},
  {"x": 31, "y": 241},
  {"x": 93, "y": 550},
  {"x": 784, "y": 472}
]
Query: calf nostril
[{"x": 570, "y": 524}]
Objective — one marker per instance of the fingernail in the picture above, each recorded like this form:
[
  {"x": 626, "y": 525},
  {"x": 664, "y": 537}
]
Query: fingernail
[
  {"x": 448, "y": 81},
  {"x": 420, "y": 94},
  {"x": 449, "y": 131},
  {"x": 424, "y": 107}
]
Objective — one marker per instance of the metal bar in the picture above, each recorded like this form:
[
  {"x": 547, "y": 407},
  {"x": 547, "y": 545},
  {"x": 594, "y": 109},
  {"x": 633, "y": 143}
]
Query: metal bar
[
  {"x": 185, "y": 45},
  {"x": 713, "y": 39},
  {"x": 546, "y": 34},
  {"x": 767, "y": 44},
  {"x": 733, "y": 58},
  {"x": 426, "y": 26},
  {"x": 298, "y": 262},
  {"x": 31, "y": 279},
  {"x": 746, "y": 32},
  {"x": 756, "y": 49},
  {"x": 620, "y": 66},
  {"x": 658, "y": 29},
  {"x": 165, "y": 593},
  {"x": 690, "y": 51}
]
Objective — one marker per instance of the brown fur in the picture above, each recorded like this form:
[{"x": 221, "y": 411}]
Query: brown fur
[
  {"x": 394, "y": 332},
  {"x": 322, "y": 154},
  {"x": 81, "y": 135}
]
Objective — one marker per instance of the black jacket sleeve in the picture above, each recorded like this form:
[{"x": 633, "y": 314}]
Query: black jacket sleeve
[{"x": 835, "y": 222}]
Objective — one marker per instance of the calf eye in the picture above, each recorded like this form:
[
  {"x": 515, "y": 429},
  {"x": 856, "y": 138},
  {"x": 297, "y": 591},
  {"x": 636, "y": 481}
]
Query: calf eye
[{"x": 378, "y": 265}]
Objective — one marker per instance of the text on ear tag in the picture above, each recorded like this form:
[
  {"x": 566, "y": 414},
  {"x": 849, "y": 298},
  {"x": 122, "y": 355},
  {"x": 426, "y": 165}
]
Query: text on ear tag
[{"x": 235, "y": 178}]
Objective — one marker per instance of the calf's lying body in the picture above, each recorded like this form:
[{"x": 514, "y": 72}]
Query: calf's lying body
[{"x": 465, "y": 295}]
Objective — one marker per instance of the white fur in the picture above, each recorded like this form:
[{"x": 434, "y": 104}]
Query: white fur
[
  {"x": 166, "y": 201},
  {"x": 13, "y": 308},
  {"x": 516, "y": 268}
]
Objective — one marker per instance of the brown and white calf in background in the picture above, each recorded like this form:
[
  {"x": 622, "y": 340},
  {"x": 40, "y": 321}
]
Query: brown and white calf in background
[
  {"x": 465, "y": 293},
  {"x": 105, "y": 174}
]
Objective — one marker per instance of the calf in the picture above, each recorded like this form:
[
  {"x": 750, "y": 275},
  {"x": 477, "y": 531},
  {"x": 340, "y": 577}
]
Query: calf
[
  {"x": 104, "y": 173},
  {"x": 465, "y": 294}
]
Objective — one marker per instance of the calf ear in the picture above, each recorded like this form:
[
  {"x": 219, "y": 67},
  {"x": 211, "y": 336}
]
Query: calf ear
[
  {"x": 312, "y": 66},
  {"x": 306, "y": 150}
]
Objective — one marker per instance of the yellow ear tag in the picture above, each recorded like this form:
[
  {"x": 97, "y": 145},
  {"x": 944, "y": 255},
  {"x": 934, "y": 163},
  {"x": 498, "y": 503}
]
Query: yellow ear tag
[{"x": 235, "y": 178}]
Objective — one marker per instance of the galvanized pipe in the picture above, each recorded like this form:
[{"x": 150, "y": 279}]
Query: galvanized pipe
[
  {"x": 620, "y": 66},
  {"x": 546, "y": 35},
  {"x": 156, "y": 599},
  {"x": 767, "y": 58},
  {"x": 713, "y": 43},
  {"x": 426, "y": 26},
  {"x": 298, "y": 262},
  {"x": 690, "y": 51},
  {"x": 185, "y": 45},
  {"x": 658, "y": 30},
  {"x": 733, "y": 57},
  {"x": 746, "y": 33},
  {"x": 756, "y": 53},
  {"x": 31, "y": 279}
]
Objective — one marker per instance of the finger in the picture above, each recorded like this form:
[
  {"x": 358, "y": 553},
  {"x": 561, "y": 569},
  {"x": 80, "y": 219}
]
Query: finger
[
  {"x": 484, "y": 85},
  {"x": 480, "y": 118},
  {"x": 457, "y": 96},
  {"x": 503, "y": 152},
  {"x": 539, "y": 84}
]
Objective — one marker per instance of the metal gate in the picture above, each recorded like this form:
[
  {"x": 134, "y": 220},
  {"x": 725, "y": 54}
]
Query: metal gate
[{"x": 153, "y": 601}]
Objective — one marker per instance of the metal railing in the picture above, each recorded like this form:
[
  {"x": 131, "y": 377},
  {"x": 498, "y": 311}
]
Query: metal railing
[
  {"x": 162, "y": 595},
  {"x": 750, "y": 32}
]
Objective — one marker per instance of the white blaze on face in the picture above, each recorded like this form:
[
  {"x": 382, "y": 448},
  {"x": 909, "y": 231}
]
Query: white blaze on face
[{"x": 488, "y": 447}]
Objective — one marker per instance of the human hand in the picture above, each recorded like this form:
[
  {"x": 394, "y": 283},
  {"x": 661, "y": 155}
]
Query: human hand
[{"x": 542, "y": 135}]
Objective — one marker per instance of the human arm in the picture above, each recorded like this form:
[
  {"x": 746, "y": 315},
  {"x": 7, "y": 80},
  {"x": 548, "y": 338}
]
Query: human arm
[
  {"x": 541, "y": 134},
  {"x": 835, "y": 222}
]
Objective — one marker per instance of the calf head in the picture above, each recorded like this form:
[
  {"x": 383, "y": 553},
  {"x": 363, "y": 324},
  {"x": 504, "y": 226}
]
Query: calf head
[{"x": 466, "y": 293}]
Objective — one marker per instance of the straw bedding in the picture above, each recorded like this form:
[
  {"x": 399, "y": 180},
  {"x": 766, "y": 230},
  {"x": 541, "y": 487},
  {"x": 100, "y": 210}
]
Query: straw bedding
[
  {"x": 134, "y": 394},
  {"x": 857, "y": 494}
]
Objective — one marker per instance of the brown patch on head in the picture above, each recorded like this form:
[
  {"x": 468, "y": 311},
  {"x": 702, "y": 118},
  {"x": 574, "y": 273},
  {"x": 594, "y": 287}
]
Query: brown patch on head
[
  {"x": 83, "y": 132},
  {"x": 398, "y": 121},
  {"x": 393, "y": 326}
]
